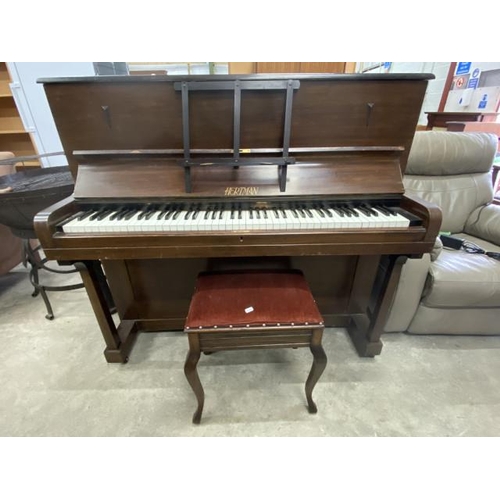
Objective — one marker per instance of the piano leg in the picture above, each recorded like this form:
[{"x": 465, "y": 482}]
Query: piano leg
[
  {"x": 119, "y": 341},
  {"x": 365, "y": 329}
]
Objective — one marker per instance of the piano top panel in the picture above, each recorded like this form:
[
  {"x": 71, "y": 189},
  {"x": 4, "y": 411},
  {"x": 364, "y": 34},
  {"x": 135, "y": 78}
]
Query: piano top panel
[
  {"x": 342, "y": 175},
  {"x": 124, "y": 112}
]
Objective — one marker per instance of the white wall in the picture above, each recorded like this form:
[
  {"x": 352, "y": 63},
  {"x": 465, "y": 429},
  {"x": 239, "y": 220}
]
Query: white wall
[{"x": 468, "y": 100}]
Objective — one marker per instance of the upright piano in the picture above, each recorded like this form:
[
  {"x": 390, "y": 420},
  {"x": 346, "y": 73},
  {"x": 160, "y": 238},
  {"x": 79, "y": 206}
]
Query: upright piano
[{"x": 179, "y": 175}]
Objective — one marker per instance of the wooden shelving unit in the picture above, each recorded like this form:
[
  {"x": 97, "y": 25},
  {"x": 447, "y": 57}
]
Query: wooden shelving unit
[{"x": 13, "y": 136}]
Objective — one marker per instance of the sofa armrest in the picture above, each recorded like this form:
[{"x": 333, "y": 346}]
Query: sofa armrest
[
  {"x": 484, "y": 222},
  {"x": 408, "y": 294}
]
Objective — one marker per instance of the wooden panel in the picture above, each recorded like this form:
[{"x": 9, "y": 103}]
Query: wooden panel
[
  {"x": 322, "y": 67},
  {"x": 10, "y": 120},
  {"x": 242, "y": 68},
  {"x": 278, "y": 67},
  {"x": 13, "y": 136},
  {"x": 19, "y": 143},
  {"x": 162, "y": 288},
  {"x": 312, "y": 177},
  {"x": 129, "y": 113},
  {"x": 4, "y": 80},
  {"x": 350, "y": 67},
  {"x": 301, "y": 67}
]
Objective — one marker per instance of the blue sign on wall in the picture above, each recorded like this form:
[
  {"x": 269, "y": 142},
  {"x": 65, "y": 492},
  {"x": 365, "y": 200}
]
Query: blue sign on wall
[
  {"x": 463, "y": 68},
  {"x": 473, "y": 82},
  {"x": 483, "y": 102}
]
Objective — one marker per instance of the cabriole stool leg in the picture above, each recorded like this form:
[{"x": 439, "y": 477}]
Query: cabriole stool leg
[
  {"x": 318, "y": 367},
  {"x": 192, "y": 374}
]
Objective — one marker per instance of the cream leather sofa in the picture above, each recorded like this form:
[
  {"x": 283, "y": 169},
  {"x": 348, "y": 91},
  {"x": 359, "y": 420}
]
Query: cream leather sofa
[{"x": 451, "y": 291}]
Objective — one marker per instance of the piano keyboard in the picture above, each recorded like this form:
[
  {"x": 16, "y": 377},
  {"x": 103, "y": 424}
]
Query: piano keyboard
[{"x": 194, "y": 218}]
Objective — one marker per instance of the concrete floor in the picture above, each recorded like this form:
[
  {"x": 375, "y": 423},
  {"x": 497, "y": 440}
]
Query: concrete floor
[{"x": 55, "y": 381}]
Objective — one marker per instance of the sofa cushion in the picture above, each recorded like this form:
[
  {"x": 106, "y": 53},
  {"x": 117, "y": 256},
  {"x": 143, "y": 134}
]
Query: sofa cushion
[
  {"x": 471, "y": 321},
  {"x": 459, "y": 279},
  {"x": 451, "y": 153}
]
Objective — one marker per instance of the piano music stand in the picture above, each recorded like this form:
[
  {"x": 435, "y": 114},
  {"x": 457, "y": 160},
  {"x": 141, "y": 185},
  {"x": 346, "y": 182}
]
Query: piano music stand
[
  {"x": 237, "y": 86},
  {"x": 252, "y": 310}
]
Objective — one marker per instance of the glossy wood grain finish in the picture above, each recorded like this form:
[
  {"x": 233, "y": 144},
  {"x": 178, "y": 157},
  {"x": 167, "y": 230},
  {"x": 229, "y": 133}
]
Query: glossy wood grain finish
[
  {"x": 145, "y": 113},
  {"x": 375, "y": 173},
  {"x": 365, "y": 122},
  {"x": 209, "y": 340}
]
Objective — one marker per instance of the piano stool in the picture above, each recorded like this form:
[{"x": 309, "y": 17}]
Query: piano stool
[{"x": 252, "y": 310}]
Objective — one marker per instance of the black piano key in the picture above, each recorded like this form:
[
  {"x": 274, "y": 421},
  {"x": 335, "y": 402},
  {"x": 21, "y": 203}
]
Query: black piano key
[
  {"x": 320, "y": 212},
  {"x": 151, "y": 209},
  {"x": 149, "y": 214},
  {"x": 301, "y": 211},
  {"x": 391, "y": 211},
  {"x": 382, "y": 209},
  {"x": 171, "y": 212},
  {"x": 117, "y": 213},
  {"x": 339, "y": 211},
  {"x": 189, "y": 212},
  {"x": 350, "y": 211},
  {"x": 370, "y": 209},
  {"x": 104, "y": 214},
  {"x": 308, "y": 212},
  {"x": 282, "y": 210},
  {"x": 163, "y": 210},
  {"x": 85, "y": 214},
  {"x": 364, "y": 211},
  {"x": 196, "y": 211},
  {"x": 142, "y": 213},
  {"x": 162, "y": 215},
  {"x": 327, "y": 211},
  {"x": 130, "y": 214},
  {"x": 72, "y": 217},
  {"x": 213, "y": 212},
  {"x": 95, "y": 215}
]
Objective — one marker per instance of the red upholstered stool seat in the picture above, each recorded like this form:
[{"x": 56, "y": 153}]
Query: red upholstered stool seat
[{"x": 248, "y": 310}]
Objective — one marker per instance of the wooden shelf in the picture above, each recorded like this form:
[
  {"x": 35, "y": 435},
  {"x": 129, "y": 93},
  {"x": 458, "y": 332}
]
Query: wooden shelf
[
  {"x": 19, "y": 143},
  {"x": 13, "y": 131},
  {"x": 13, "y": 136}
]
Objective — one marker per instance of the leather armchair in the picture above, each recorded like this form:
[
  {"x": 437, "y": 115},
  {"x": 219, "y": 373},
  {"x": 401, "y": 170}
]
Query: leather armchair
[
  {"x": 11, "y": 247},
  {"x": 452, "y": 291}
]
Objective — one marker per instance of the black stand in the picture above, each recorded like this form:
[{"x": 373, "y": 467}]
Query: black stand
[
  {"x": 237, "y": 86},
  {"x": 32, "y": 257}
]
